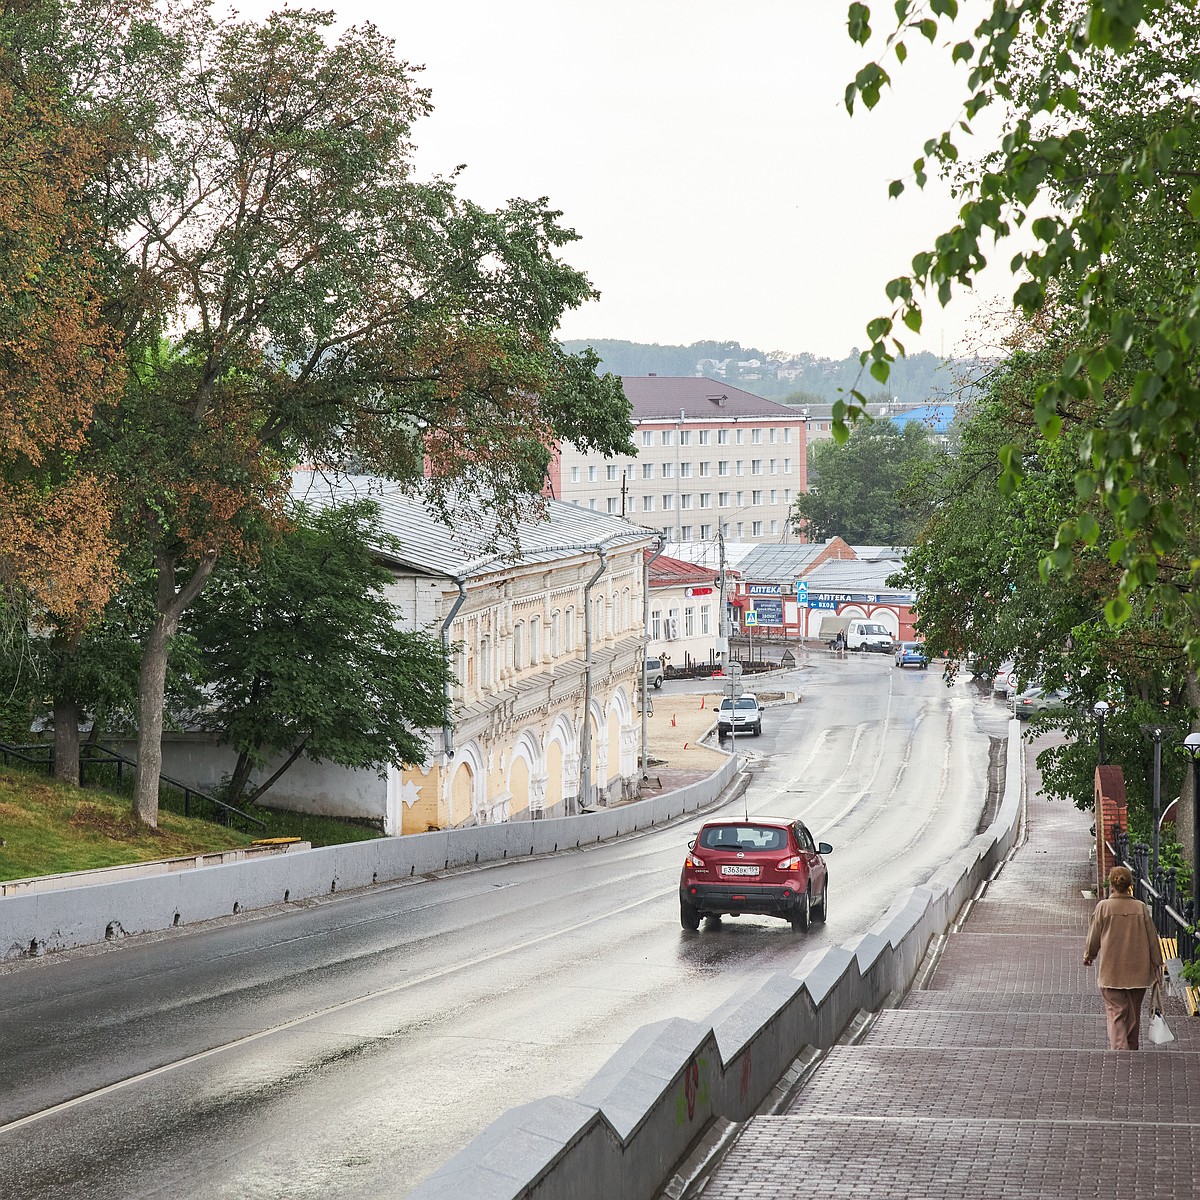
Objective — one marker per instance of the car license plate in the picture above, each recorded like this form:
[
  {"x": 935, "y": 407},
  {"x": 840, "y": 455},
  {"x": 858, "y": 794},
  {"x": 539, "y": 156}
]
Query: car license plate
[{"x": 739, "y": 870}]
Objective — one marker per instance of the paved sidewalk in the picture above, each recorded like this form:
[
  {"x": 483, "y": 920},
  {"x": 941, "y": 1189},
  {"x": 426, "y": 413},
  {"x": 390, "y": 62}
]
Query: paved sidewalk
[{"x": 995, "y": 1080}]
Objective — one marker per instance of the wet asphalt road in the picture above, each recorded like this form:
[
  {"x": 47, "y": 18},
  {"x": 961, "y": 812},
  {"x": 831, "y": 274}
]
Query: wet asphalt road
[{"x": 346, "y": 1047}]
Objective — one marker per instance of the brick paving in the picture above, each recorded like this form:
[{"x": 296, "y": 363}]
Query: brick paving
[{"x": 996, "y": 1079}]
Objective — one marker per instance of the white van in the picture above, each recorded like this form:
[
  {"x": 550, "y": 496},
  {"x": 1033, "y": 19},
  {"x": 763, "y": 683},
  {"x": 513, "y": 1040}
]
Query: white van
[{"x": 868, "y": 635}]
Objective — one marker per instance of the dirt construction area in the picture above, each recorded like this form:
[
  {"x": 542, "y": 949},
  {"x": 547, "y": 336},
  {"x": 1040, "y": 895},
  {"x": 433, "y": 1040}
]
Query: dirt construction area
[{"x": 678, "y": 747}]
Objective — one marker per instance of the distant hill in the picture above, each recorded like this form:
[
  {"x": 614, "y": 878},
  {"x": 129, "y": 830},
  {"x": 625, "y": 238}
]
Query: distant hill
[{"x": 778, "y": 375}]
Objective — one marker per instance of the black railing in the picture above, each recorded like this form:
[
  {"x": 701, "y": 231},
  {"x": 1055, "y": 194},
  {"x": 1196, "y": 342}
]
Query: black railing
[
  {"x": 1173, "y": 915},
  {"x": 100, "y": 760}
]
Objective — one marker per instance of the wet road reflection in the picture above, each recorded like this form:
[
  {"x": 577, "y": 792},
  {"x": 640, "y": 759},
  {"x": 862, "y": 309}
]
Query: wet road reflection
[{"x": 347, "y": 1047}]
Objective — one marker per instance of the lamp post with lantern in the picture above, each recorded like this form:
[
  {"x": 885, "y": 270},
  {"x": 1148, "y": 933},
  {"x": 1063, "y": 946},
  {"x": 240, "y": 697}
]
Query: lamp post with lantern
[
  {"x": 1100, "y": 708},
  {"x": 1191, "y": 746}
]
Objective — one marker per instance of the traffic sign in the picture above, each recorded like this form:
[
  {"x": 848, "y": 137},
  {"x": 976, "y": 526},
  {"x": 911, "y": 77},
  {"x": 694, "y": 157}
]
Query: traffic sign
[
  {"x": 733, "y": 670},
  {"x": 802, "y": 593},
  {"x": 733, "y": 689},
  {"x": 750, "y": 618}
]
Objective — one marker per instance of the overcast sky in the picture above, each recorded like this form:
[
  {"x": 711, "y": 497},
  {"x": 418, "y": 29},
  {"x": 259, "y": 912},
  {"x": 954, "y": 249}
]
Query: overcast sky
[{"x": 701, "y": 150}]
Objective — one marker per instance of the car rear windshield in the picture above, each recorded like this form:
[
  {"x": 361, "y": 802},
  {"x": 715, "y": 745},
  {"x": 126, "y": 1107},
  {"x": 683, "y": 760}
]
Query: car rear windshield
[{"x": 743, "y": 837}]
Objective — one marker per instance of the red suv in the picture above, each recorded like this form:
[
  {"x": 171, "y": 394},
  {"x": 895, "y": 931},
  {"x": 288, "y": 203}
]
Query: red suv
[{"x": 765, "y": 865}]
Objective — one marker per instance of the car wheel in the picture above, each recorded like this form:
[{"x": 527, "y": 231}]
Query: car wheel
[
  {"x": 657, "y": 684},
  {"x": 758, "y": 730},
  {"x": 803, "y": 915},
  {"x": 822, "y": 910},
  {"x": 689, "y": 917}
]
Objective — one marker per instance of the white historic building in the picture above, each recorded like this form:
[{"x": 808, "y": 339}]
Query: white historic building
[{"x": 547, "y": 638}]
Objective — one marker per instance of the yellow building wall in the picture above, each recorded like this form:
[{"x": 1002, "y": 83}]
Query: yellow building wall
[
  {"x": 461, "y": 790},
  {"x": 614, "y": 748},
  {"x": 554, "y": 772},
  {"x": 518, "y": 785},
  {"x": 424, "y": 813}
]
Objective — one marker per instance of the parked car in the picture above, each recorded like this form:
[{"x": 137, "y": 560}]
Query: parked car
[
  {"x": 1035, "y": 700},
  {"x": 742, "y": 714},
  {"x": 911, "y": 654},
  {"x": 769, "y": 866},
  {"x": 868, "y": 635},
  {"x": 1002, "y": 677},
  {"x": 654, "y": 672}
]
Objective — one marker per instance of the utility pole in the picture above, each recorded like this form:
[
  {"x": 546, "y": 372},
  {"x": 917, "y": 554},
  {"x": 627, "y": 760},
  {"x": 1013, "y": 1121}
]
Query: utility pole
[
  {"x": 722, "y": 614},
  {"x": 624, "y": 482}
]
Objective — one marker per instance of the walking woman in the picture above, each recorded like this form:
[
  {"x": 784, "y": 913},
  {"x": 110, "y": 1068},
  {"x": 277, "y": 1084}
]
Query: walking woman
[{"x": 1123, "y": 933}]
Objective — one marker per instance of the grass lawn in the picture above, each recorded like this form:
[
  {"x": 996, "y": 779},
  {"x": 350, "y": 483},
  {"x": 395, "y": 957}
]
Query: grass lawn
[{"x": 48, "y": 827}]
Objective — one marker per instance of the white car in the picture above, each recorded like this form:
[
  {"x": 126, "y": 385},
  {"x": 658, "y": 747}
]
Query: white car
[{"x": 742, "y": 715}]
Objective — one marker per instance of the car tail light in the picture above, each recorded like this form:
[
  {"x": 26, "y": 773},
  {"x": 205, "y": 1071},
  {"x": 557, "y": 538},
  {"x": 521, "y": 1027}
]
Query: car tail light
[
  {"x": 791, "y": 864},
  {"x": 693, "y": 861}
]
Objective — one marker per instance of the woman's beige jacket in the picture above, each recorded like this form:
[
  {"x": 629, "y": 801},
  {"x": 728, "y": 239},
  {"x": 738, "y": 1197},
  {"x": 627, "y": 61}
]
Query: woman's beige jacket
[{"x": 1123, "y": 933}]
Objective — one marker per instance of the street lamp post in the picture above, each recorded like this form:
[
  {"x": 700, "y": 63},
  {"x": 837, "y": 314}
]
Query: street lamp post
[
  {"x": 1100, "y": 708},
  {"x": 1155, "y": 732},
  {"x": 1191, "y": 745}
]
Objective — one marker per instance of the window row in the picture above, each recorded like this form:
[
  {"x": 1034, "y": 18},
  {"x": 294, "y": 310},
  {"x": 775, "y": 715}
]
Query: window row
[
  {"x": 704, "y": 470},
  {"x": 736, "y": 531},
  {"x": 697, "y": 620},
  {"x": 722, "y": 437},
  {"x": 689, "y": 500},
  {"x": 535, "y": 640}
]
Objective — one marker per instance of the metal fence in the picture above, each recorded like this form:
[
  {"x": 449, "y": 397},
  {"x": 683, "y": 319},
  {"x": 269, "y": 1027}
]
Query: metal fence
[
  {"x": 103, "y": 765},
  {"x": 1173, "y": 913}
]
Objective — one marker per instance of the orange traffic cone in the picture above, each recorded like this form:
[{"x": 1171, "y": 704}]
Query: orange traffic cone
[
  {"x": 701, "y": 701},
  {"x": 672, "y": 720},
  {"x": 685, "y": 745}
]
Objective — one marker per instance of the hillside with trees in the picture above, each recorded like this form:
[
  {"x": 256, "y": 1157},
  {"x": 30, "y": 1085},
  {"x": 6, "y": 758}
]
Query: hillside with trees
[{"x": 782, "y": 375}]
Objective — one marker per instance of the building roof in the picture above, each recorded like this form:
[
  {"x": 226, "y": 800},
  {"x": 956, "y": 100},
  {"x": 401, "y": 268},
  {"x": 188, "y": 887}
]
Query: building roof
[
  {"x": 881, "y": 553},
  {"x": 779, "y": 563},
  {"x": 854, "y": 576},
  {"x": 708, "y": 554},
  {"x": 470, "y": 546},
  {"x": 664, "y": 397},
  {"x": 674, "y": 572}
]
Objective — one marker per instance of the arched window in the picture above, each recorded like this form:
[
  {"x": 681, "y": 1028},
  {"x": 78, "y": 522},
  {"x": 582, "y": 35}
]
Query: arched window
[
  {"x": 535, "y": 640},
  {"x": 555, "y": 633},
  {"x": 656, "y": 625},
  {"x": 518, "y": 646},
  {"x": 568, "y": 632}
]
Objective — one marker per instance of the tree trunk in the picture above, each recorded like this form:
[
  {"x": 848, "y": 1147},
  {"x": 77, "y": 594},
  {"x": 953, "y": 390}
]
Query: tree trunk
[
  {"x": 241, "y": 776},
  {"x": 295, "y": 754},
  {"x": 152, "y": 681},
  {"x": 66, "y": 741}
]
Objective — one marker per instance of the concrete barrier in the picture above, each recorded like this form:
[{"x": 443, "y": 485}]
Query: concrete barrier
[
  {"x": 33, "y": 923},
  {"x": 628, "y": 1128}
]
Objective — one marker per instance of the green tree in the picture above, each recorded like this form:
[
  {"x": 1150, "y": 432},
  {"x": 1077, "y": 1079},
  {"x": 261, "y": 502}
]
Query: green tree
[
  {"x": 1099, "y": 161},
  {"x": 859, "y": 490},
  {"x": 304, "y": 654},
  {"x": 974, "y": 572},
  {"x": 323, "y": 304}
]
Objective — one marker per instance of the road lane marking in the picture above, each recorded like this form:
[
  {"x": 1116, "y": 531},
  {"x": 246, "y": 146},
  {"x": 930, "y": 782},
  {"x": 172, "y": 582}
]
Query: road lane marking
[{"x": 317, "y": 1014}]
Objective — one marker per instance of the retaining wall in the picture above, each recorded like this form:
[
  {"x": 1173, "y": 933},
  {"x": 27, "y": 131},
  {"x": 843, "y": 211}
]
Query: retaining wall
[
  {"x": 80, "y": 916},
  {"x": 628, "y": 1128}
]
